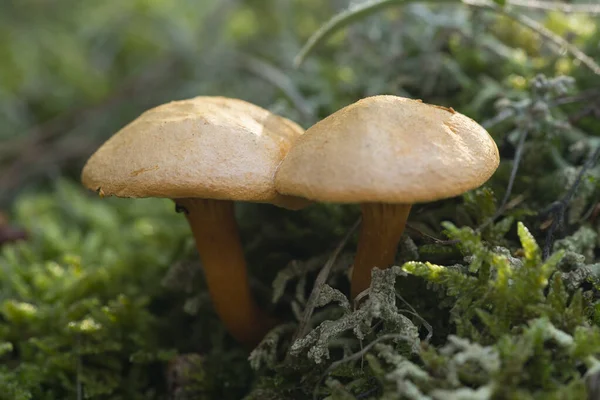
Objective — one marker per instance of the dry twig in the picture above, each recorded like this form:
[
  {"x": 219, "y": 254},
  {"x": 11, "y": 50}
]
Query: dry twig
[{"x": 557, "y": 209}]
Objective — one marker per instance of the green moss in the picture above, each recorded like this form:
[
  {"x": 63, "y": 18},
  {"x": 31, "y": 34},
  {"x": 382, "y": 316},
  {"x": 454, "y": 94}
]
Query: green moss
[{"x": 83, "y": 308}]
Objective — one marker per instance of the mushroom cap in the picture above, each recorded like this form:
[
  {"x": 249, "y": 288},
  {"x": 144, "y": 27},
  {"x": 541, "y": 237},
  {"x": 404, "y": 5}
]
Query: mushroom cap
[
  {"x": 388, "y": 149},
  {"x": 204, "y": 147}
]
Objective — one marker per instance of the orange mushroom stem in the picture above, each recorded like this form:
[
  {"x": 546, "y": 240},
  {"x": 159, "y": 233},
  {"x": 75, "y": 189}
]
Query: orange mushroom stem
[
  {"x": 381, "y": 229},
  {"x": 218, "y": 241}
]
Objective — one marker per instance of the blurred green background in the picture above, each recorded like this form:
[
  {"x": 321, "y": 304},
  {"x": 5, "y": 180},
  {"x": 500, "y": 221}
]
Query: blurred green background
[{"x": 73, "y": 72}]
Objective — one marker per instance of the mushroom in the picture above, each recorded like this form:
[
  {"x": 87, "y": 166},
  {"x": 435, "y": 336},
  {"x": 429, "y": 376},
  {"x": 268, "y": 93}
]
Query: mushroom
[
  {"x": 387, "y": 153},
  {"x": 204, "y": 153}
]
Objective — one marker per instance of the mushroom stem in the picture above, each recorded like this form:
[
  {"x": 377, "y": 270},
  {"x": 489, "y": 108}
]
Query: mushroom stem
[
  {"x": 381, "y": 228},
  {"x": 218, "y": 241}
]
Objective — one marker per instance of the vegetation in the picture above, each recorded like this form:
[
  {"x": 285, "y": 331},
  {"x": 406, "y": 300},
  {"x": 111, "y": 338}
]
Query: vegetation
[{"x": 495, "y": 295}]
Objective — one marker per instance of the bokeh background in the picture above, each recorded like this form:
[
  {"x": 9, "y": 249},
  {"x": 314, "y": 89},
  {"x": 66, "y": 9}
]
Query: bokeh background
[{"x": 73, "y": 72}]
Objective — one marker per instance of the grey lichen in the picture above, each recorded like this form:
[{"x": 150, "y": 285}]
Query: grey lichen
[
  {"x": 583, "y": 242},
  {"x": 404, "y": 373},
  {"x": 331, "y": 295},
  {"x": 482, "y": 393},
  {"x": 380, "y": 305},
  {"x": 465, "y": 355},
  {"x": 298, "y": 270},
  {"x": 265, "y": 354}
]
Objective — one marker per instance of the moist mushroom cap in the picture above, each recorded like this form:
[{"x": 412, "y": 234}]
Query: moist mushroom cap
[
  {"x": 388, "y": 149},
  {"x": 205, "y": 147}
]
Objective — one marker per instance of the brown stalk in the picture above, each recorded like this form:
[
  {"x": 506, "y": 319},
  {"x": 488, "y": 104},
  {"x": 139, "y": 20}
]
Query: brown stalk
[
  {"x": 218, "y": 241},
  {"x": 380, "y": 232}
]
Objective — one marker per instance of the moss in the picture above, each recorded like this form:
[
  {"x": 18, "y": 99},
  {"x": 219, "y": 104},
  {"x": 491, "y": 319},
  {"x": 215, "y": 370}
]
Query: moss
[{"x": 82, "y": 307}]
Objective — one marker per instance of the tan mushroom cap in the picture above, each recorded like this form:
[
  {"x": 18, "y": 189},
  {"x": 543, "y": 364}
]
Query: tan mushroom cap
[
  {"x": 388, "y": 149},
  {"x": 205, "y": 147}
]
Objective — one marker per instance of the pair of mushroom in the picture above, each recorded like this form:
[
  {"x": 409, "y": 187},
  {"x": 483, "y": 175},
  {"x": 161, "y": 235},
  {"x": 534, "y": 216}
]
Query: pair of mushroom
[{"x": 385, "y": 152}]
